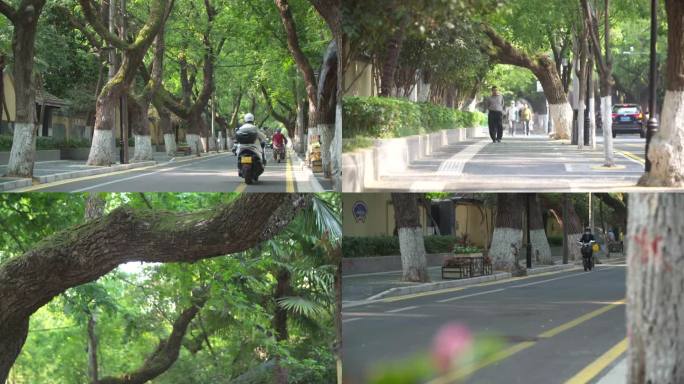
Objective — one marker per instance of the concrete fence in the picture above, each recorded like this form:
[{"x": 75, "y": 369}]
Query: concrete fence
[{"x": 363, "y": 167}]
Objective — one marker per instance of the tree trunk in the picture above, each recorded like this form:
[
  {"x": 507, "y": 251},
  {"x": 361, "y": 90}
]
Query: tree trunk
[
  {"x": 327, "y": 104},
  {"x": 411, "y": 245},
  {"x": 540, "y": 243},
  {"x": 666, "y": 150},
  {"x": 86, "y": 252},
  {"x": 391, "y": 58},
  {"x": 283, "y": 289},
  {"x": 508, "y": 234},
  {"x": 655, "y": 325},
  {"x": 92, "y": 350},
  {"x": 101, "y": 150},
  {"x": 575, "y": 231},
  {"x": 23, "y": 152}
]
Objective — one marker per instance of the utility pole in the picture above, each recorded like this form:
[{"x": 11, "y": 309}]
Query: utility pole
[
  {"x": 591, "y": 213},
  {"x": 566, "y": 250}
]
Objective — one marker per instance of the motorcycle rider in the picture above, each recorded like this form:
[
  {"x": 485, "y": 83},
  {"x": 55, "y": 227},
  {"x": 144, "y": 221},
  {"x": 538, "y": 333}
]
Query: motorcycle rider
[
  {"x": 279, "y": 141},
  {"x": 587, "y": 236},
  {"x": 259, "y": 142}
]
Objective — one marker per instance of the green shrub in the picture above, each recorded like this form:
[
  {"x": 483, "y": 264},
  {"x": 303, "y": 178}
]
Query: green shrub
[
  {"x": 389, "y": 246},
  {"x": 384, "y": 117},
  {"x": 44, "y": 143},
  {"x": 555, "y": 241}
]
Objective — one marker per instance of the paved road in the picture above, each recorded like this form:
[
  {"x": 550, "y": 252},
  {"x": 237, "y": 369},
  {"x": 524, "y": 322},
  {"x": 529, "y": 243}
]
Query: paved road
[
  {"x": 211, "y": 173},
  {"x": 556, "y": 324},
  {"x": 520, "y": 163}
]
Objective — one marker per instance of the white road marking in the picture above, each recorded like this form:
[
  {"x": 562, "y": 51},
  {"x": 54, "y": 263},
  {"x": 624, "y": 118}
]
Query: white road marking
[
  {"x": 471, "y": 295},
  {"x": 402, "y": 309},
  {"x": 547, "y": 280},
  {"x": 350, "y": 320},
  {"x": 141, "y": 175}
]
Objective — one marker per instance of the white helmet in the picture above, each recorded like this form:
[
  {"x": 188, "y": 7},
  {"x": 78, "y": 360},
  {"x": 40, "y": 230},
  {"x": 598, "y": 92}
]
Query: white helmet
[{"x": 249, "y": 118}]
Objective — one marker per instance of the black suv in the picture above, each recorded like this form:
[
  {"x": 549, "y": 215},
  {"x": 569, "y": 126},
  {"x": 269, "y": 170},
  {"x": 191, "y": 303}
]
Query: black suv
[{"x": 628, "y": 118}]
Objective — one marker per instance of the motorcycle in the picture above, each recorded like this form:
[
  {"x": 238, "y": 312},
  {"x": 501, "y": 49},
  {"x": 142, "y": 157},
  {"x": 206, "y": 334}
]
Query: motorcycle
[
  {"x": 587, "y": 249},
  {"x": 279, "y": 153},
  {"x": 249, "y": 165}
]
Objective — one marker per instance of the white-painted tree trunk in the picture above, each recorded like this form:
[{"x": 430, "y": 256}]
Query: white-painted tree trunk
[
  {"x": 204, "y": 147},
  {"x": 326, "y": 132},
  {"x": 22, "y": 155},
  {"x": 101, "y": 151},
  {"x": 336, "y": 151},
  {"x": 413, "y": 261},
  {"x": 580, "y": 124},
  {"x": 193, "y": 141},
  {"x": 655, "y": 288},
  {"x": 574, "y": 250},
  {"x": 592, "y": 122},
  {"x": 561, "y": 116},
  {"x": 143, "y": 148},
  {"x": 541, "y": 251},
  {"x": 506, "y": 242},
  {"x": 607, "y": 121},
  {"x": 666, "y": 151},
  {"x": 170, "y": 144}
]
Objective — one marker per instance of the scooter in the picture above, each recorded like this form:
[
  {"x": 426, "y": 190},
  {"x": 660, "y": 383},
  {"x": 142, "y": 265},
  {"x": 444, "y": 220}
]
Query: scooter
[
  {"x": 249, "y": 165},
  {"x": 279, "y": 153},
  {"x": 587, "y": 249}
]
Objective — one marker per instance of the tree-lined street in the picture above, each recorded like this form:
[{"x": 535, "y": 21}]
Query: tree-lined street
[{"x": 553, "y": 326}]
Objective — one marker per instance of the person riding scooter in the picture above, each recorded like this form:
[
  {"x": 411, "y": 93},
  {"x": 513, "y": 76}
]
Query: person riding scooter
[
  {"x": 587, "y": 243},
  {"x": 279, "y": 142},
  {"x": 251, "y": 142}
]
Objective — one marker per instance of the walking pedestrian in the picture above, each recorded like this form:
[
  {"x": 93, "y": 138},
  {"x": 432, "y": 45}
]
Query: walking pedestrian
[
  {"x": 495, "y": 105},
  {"x": 511, "y": 114},
  {"x": 526, "y": 116}
]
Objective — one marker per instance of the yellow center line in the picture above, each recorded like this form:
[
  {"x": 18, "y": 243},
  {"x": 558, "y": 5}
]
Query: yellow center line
[
  {"x": 240, "y": 188},
  {"x": 632, "y": 156},
  {"x": 289, "y": 177},
  {"x": 573, "y": 323},
  {"x": 592, "y": 370},
  {"x": 459, "y": 374}
]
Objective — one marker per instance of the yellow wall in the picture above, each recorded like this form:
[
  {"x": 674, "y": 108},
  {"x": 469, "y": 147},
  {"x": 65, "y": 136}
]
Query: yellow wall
[{"x": 379, "y": 220}]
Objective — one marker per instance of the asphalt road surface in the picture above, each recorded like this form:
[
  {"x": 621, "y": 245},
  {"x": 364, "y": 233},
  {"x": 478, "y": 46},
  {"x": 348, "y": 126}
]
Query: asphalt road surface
[
  {"x": 554, "y": 325},
  {"x": 210, "y": 173}
]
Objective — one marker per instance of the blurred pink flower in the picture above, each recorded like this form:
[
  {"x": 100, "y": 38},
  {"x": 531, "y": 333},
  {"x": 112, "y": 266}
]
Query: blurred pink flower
[{"x": 450, "y": 342}]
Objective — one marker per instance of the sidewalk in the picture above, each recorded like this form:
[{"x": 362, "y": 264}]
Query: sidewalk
[
  {"x": 617, "y": 374},
  {"x": 512, "y": 165},
  {"x": 51, "y": 171}
]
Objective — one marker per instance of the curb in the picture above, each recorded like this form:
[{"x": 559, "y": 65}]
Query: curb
[
  {"x": 90, "y": 172},
  {"x": 15, "y": 184},
  {"x": 428, "y": 287}
]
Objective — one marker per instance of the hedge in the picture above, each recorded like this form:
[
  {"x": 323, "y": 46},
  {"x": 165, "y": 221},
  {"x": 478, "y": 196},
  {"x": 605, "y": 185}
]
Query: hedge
[
  {"x": 384, "y": 117},
  {"x": 45, "y": 143},
  {"x": 389, "y": 246}
]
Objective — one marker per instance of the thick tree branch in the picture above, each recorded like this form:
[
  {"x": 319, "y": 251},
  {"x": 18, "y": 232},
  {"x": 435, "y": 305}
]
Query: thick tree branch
[
  {"x": 166, "y": 352},
  {"x": 8, "y": 11},
  {"x": 94, "y": 20},
  {"x": 86, "y": 252}
]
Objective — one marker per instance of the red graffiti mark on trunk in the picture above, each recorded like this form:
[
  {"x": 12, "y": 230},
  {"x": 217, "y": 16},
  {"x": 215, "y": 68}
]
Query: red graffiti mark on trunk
[{"x": 649, "y": 247}]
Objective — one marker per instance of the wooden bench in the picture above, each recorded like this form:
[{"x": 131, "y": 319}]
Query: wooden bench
[
  {"x": 184, "y": 149},
  {"x": 461, "y": 267}
]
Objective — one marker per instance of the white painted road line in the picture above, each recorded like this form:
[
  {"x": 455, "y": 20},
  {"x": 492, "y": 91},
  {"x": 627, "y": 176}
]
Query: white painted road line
[
  {"x": 471, "y": 295},
  {"x": 141, "y": 175},
  {"x": 350, "y": 320},
  {"x": 402, "y": 309}
]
